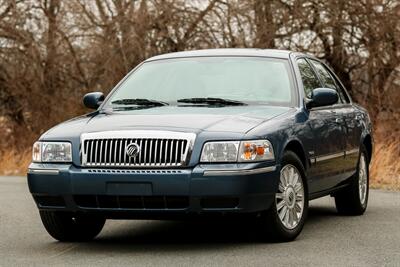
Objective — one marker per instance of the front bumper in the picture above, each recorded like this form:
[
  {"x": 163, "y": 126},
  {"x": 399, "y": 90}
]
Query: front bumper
[{"x": 222, "y": 188}]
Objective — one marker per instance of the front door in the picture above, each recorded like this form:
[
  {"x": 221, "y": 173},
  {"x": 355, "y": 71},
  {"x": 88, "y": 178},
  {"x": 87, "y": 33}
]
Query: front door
[{"x": 328, "y": 135}]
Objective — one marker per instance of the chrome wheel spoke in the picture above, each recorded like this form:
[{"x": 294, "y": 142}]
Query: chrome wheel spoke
[
  {"x": 297, "y": 207},
  {"x": 280, "y": 205},
  {"x": 282, "y": 213},
  {"x": 295, "y": 179},
  {"x": 298, "y": 187},
  {"x": 290, "y": 217},
  {"x": 286, "y": 218},
  {"x": 281, "y": 187},
  {"x": 286, "y": 178},
  {"x": 282, "y": 183},
  {"x": 291, "y": 175},
  {"x": 295, "y": 218}
]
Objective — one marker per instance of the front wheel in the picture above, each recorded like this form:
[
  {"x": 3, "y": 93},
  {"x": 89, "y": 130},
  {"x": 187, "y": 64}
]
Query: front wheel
[
  {"x": 353, "y": 199},
  {"x": 71, "y": 227},
  {"x": 285, "y": 219}
]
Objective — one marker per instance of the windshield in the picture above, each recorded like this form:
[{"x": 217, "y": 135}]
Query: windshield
[{"x": 251, "y": 80}]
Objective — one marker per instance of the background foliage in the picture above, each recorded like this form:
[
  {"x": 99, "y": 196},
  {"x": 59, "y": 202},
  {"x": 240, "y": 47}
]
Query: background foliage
[{"x": 52, "y": 52}]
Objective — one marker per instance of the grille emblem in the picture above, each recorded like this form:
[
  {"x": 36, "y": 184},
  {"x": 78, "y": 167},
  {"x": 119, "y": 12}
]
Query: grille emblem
[{"x": 132, "y": 150}]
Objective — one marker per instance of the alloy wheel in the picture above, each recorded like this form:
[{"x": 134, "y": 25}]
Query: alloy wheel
[
  {"x": 362, "y": 179},
  {"x": 289, "y": 199}
]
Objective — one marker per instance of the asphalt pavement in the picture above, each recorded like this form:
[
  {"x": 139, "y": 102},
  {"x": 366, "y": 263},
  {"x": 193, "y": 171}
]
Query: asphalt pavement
[{"x": 327, "y": 238}]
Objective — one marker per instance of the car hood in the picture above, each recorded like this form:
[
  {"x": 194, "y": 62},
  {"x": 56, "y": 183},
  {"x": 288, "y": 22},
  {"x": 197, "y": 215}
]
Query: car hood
[{"x": 234, "y": 119}]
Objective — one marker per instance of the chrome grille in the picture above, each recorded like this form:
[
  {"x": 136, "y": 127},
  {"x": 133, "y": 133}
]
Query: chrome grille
[{"x": 156, "y": 149}]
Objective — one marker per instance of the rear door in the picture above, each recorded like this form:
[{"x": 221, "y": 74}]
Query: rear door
[
  {"x": 353, "y": 119},
  {"x": 326, "y": 125}
]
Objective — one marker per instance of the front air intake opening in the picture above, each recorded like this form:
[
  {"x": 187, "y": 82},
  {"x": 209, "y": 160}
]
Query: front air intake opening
[
  {"x": 49, "y": 201},
  {"x": 219, "y": 202},
  {"x": 132, "y": 202}
]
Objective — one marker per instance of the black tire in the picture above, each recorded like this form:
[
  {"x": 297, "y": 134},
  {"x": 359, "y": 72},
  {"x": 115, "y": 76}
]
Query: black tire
[
  {"x": 71, "y": 227},
  {"x": 271, "y": 225},
  {"x": 348, "y": 200}
]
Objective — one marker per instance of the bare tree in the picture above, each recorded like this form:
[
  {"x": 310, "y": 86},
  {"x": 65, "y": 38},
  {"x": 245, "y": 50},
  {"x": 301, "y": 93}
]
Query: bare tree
[{"x": 52, "y": 51}]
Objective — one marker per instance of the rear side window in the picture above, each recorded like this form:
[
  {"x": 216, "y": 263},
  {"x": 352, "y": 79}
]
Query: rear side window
[
  {"x": 308, "y": 77},
  {"x": 326, "y": 78},
  {"x": 342, "y": 92}
]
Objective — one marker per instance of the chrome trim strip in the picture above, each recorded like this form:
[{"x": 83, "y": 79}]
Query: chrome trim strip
[
  {"x": 228, "y": 172},
  {"x": 328, "y": 157},
  {"x": 44, "y": 171},
  {"x": 352, "y": 151},
  {"x": 137, "y": 171},
  {"x": 151, "y": 134},
  {"x": 170, "y": 152}
]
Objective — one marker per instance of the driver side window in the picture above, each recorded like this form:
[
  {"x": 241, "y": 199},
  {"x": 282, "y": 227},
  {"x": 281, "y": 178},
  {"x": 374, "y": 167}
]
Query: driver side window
[{"x": 308, "y": 77}]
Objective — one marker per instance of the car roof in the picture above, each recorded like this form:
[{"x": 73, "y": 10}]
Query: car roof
[{"x": 253, "y": 52}]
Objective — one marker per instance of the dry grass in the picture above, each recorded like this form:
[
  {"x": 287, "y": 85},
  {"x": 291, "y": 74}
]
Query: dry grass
[
  {"x": 385, "y": 167},
  {"x": 14, "y": 163}
]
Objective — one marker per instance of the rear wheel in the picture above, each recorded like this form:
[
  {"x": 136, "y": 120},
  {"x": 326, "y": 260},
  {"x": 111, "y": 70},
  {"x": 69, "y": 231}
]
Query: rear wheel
[
  {"x": 285, "y": 219},
  {"x": 71, "y": 227},
  {"x": 353, "y": 199}
]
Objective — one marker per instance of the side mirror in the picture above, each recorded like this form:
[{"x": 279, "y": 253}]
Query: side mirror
[
  {"x": 93, "y": 100},
  {"x": 322, "y": 97}
]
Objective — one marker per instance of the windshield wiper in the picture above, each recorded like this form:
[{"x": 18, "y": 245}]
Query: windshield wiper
[
  {"x": 211, "y": 101},
  {"x": 139, "y": 102}
]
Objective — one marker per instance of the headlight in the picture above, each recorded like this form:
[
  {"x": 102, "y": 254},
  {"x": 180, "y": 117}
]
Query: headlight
[
  {"x": 237, "y": 151},
  {"x": 52, "y": 152},
  {"x": 220, "y": 152}
]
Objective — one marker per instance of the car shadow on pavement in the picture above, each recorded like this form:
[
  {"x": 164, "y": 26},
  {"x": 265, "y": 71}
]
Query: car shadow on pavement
[{"x": 157, "y": 236}]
